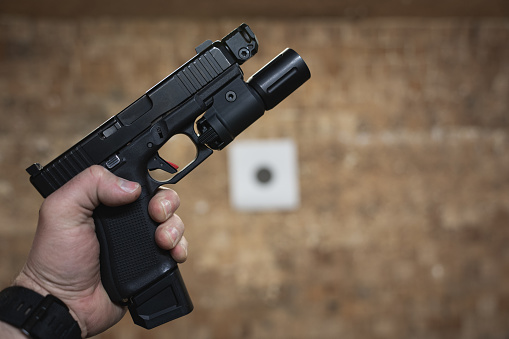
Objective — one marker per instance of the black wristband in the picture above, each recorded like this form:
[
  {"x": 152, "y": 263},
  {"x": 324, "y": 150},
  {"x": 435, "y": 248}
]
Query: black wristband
[{"x": 37, "y": 316}]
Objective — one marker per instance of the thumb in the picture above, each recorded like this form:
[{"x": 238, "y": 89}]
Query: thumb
[{"x": 95, "y": 186}]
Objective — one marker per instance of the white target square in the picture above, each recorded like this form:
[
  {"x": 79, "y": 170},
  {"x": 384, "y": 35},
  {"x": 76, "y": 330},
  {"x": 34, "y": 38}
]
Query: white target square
[{"x": 263, "y": 175}]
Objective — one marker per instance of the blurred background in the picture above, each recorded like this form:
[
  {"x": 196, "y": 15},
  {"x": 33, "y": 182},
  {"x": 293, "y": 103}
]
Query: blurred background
[{"x": 402, "y": 139}]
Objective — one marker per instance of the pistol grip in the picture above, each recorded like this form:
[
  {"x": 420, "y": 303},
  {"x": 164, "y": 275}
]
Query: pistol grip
[{"x": 134, "y": 270}]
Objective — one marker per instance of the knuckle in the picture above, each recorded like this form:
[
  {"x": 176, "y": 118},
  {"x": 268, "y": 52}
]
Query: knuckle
[{"x": 96, "y": 171}]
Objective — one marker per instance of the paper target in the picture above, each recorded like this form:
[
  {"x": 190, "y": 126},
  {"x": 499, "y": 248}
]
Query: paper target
[{"x": 263, "y": 175}]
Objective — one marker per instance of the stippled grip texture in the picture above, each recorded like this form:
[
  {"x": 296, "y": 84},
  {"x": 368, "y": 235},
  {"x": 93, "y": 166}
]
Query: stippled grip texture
[{"x": 130, "y": 258}]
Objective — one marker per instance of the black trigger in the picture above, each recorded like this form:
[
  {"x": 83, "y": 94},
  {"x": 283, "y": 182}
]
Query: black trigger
[{"x": 158, "y": 163}]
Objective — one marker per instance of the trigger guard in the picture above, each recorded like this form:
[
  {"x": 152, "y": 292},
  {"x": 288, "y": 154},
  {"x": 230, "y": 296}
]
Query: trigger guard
[{"x": 202, "y": 153}]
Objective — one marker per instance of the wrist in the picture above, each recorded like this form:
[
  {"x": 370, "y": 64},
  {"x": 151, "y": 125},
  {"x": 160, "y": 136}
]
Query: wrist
[
  {"x": 37, "y": 316},
  {"x": 9, "y": 331},
  {"x": 26, "y": 280}
]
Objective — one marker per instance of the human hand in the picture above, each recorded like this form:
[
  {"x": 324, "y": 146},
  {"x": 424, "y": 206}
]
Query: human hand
[{"x": 64, "y": 259}]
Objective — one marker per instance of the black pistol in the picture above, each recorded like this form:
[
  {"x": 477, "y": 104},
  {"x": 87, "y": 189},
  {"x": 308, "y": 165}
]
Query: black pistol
[{"x": 205, "y": 99}]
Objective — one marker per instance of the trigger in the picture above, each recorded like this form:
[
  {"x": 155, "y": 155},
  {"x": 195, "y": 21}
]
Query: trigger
[{"x": 159, "y": 163}]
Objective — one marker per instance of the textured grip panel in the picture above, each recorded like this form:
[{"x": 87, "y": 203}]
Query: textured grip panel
[{"x": 130, "y": 258}]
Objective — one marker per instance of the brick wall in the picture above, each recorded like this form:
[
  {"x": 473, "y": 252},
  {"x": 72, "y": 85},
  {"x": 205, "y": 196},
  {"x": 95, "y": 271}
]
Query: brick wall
[{"x": 403, "y": 139}]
